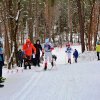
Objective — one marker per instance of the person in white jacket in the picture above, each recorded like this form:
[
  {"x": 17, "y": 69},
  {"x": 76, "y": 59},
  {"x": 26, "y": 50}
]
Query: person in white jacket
[
  {"x": 69, "y": 52},
  {"x": 48, "y": 47}
]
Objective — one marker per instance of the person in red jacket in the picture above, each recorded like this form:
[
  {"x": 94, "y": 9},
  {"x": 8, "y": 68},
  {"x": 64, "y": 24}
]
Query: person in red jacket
[{"x": 28, "y": 49}]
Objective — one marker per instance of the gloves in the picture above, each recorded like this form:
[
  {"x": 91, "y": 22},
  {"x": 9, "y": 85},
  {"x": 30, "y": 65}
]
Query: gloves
[{"x": 52, "y": 49}]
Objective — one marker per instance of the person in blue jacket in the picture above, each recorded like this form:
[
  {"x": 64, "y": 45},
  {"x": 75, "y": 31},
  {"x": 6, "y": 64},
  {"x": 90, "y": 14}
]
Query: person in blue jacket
[
  {"x": 75, "y": 54},
  {"x": 1, "y": 65}
]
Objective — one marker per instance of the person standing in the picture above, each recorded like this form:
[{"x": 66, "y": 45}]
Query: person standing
[
  {"x": 20, "y": 58},
  {"x": 98, "y": 50},
  {"x": 28, "y": 48},
  {"x": 48, "y": 47},
  {"x": 75, "y": 54},
  {"x": 69, "y": 52},
  {"x": 1, "y": 65},
  {"x": 38, "y": 49}
]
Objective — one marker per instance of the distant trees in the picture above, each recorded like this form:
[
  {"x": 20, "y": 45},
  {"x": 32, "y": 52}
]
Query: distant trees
[{"x": 68, "y": 20}]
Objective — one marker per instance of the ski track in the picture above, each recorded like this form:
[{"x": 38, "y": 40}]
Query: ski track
[
  {"x": 31, "y": 84},
  {"x": 66, "y": 82},
  {"x": 79, "y": 81}
]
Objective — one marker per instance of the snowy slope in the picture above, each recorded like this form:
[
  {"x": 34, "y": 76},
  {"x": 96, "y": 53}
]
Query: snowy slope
[{"x": 64, "y": 82}]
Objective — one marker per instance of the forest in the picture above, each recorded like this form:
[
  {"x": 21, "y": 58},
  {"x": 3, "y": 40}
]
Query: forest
[{"x": 63, "y": 21}]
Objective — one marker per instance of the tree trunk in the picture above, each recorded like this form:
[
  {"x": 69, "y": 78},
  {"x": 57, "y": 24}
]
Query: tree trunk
[
  {"x": 96, "y": 22},
  {"x": 30, "y": 22},
  {"x": 90, "y": 33},
  {"x": 11, "y": 26},
  {"x": 81, "y": 23}
]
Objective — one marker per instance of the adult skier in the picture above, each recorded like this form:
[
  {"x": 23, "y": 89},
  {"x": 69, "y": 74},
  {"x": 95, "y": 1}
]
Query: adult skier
[
  {"x": 98, "y": 49},
  {"x": 38, "y": 49},
  {"x": 28, "y": 47},
  {"x": 48, "y": 47},
  {"x": 1, "y": 65}
]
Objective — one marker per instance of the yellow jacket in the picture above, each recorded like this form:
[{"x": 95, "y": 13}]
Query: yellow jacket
[{"x": 97, "y": 48}]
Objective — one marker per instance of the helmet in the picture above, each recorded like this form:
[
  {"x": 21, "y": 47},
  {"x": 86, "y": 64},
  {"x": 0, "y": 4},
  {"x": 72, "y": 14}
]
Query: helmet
[{"x": 68, "y": 45}]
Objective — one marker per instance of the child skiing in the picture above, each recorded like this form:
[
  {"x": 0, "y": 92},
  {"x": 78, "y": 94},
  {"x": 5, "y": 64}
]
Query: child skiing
[
  {"x": 68, "y": 51},
  {"x": 48, "y": 52},
  {"x": 20, "y": 58},
  {"x": 75, "y": 54}
]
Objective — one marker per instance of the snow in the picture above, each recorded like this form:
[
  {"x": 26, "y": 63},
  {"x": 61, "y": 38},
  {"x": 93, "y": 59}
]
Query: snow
[
  {"x": 17, "y": 16},
  {"x": 11, "y": 53},
  {"x": 76, "y": 81}
]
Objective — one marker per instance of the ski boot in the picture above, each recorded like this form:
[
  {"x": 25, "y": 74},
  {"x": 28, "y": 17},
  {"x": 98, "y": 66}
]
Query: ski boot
[
  {"x": 45, "y": 68},
  {"x": 52, "y": 63},
  {"x": 29, "y": 66},
  {"x": 69, "y": 61},
  {"x": 1, "y": 85}
]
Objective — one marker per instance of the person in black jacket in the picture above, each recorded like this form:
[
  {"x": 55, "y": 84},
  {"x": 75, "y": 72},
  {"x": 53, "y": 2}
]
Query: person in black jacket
[
  {"x": 37, "y": 56},
  {"x": 20, "y": 58}
]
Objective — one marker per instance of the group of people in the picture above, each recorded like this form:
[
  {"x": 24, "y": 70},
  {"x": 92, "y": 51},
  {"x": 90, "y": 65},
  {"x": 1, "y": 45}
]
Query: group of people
[
  {"x": 69, "y": 52},
  {"x": 31, "y": 53}
]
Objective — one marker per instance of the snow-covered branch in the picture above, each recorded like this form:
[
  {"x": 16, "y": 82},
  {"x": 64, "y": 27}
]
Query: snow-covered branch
[
  {"x": 17, "y": 16},
  {"x": 11, "y": 54}
]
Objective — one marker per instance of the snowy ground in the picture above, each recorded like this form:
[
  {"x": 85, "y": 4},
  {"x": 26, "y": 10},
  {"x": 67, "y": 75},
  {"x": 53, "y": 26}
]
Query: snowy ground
[{"x": 64, "y": 82}]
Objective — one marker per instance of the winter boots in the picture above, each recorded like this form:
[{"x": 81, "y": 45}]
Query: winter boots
[
  {"x": 45, "y": 67},
  {"x": 2, "y": 80},
  {"x": 1, "y": 85},
  {"x": 69, "y": 61},
  {"x": 52, "y": 64}
]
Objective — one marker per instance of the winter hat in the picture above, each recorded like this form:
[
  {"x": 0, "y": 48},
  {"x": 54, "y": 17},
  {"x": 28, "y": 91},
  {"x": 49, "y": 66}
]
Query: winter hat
[
  {"x": 97, "y": 42},
  {"x": 28, "y": 41},
  {"x": 46, "y": 40},
  {"x": 68, "y": 45},
  {"x": 37, "y": 41}
]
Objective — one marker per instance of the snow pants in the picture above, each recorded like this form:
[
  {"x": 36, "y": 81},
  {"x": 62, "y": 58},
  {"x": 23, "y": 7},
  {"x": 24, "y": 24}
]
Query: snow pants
[
  {"x": 98, "y": 55},
  {"x": 1, "y": 69},
  {"x": 48, "y": 56},
  {"x": 69, "y": 57},
  {"x": 20, "y": 62},
  {"x": 38, "y": 59},
  {"x": 27, "y": 62}
]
